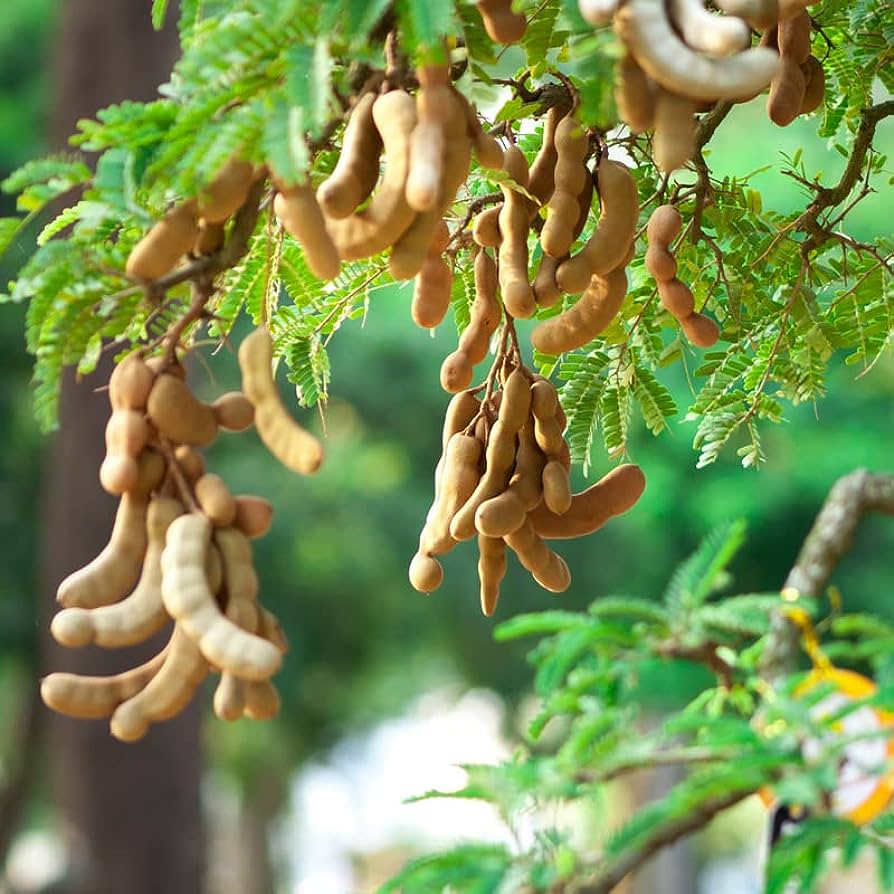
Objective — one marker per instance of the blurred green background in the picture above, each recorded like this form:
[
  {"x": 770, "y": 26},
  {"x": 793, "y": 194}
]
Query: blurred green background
[{"x": 365, "y": 646}]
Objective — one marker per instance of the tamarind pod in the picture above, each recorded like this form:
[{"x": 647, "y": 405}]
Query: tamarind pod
[
  {"x": 461, "y": 410},
  {"x": 486, "y": 227},
  {"x": 93, "y": 697},
  {"x": 227, "y": 192},
  {"x": 661, "y": 263},
  {"x": 303, "y": 219},
  {"x": 214, "y": 574},
  {"x": 675, "y": 124},
  {"x": 427, "y": 143},
  {"x": 664, "y": 225},
  {"x": 190, "y": 602},
  {"x": 597, "y": 12},
  {"x": 215, "y": 500},
  {"x": 518, "y": 296},
  {"x": 544, "y": 399},
  {"x": 160, "y": 364},
  {"x": 270, "y": 628},
  {"x": 541, "y": 175},
  {"x": 644, "y": 26},
  {"x": 137, "y": 616},
  {"x": 706, "y": 32},
  {"x": 676, "y": 297},
  {"x": 815, "y": 85},
  {"x": 210, "y": 239},
  {"x": 702, "y": 331},
  {"x": 515, "y": 404},
  {"x": 786, "y": 93},
  {"x": 178, "y": 414},
  {"x": 229, "y": 698},
  {"x": 585, "y": 319},
  {"x": 126, "y": 435},
  {"x": 501, "y": 23},
  {"x": 130, "y": 383},
  {"x": 788, "y": 9},
  {"x": 262, "y": 701},
  {"x": 254, "y": 515},
  {"x": 388, "y": 214},
  {"x": 431, "y": 292},
  {"x": 612, "y": 495},
  {"x": 241, "y": 577},
  {"x": 233, "y": 411},
  {"x": 158, "y": 252},
  {"x": 572, "y": 145},
  {"x": 548, "y": 434},
  {"x": 292, "y": 445},
  {"x": 426, "y": 573},
  {"x": 191, "y": 462},
  {"x": 546, "y": 289},
  {"x": 793, "y": 37},
  {"x": 166, "y": 694},
  {"x": 605, "y": 249},
  {"x": 357, "y": 169},
  {"x": 556, "y": 487},
  {"x": 547, "y": 568},
  {"x": 633, "y": 95},
  {"x": 759, "y": 14},
  {"x": 491, "y": 571},
  {"x": 416, "y": 245},
  {"x": 488, "y": 151}
]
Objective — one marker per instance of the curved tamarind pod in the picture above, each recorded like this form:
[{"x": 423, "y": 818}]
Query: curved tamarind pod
[
  {"x": 191, "y": 462},
  {"x": 427, "y": 143},
  {"x": 229, "y": 698},
  {"x": 93, "y": 697},
  {"x": 701, "y": 330},
  {"x": 547, "y": 568},
  {"x": 461, "y": 410},
  {"x": 384, "y": 220},
  {"x": 126, "y": 435},
  {"x": 426, "y": 573},
  {"x": 518, "y": 296},
  {"x": 270, "y": 628},
  {"x": 488, "y": 151},
  {"x": 425, "y": 238},
  {"x": 793, "y": 37},
  {"x": 434, "y": 282},
  {"x": 548, "y": 434},
  {"x": 759, "y": 14},
  {"x": 357, "y": 169},
  {"x": 556, "y": 487},
  {"x": 303, "y": 219},
  {"x": 262, "y": 701},
  {"x": 708, "y": 33},
  {"x": 215, "y": 500},
  {"x": 190, "y": 602},
  {"x": 491, "y": 571},
  {"x": 633, "y": 95},
  {"x": 815, "y": 89},
  {"x": 227, "y": 192},
  {"x": 501, "y": 23},
  {"x": 254, "y": 515},
  {"x": 660, "y": 263},
  {"x": 160, "y": 364},
  {"x": 675, "y": 125},
  {"x": 644, "y": 26},
  {"x": 178, "y": 414},
  {"x": 166, "y": 694},
  {"x": 292, "y": 445},
  {"x": 542, "y": 173},
  {"x": 486, "y": 227},
  {"x": 158, "y": 252},
  {"x": 214, "y": 574},
  {"x": 515, "y": 404},
  {"x": 676, "y": 297},
  {"x": 605, "y": 249},
  {"x": 233, "y": 411},
  {"x": 137, "y": 616},
  {"x": 612, "y": 495},
  {"x": 664, "y": 225},
  {"x": 544, "y": 399},
  {"x": 787, "y": 93},
  {"x": 585, "y": 319},
  {"x": 572, "y": 145},
  {"x": 130, "y": 383},
  {"x": 210, "y": 239}
]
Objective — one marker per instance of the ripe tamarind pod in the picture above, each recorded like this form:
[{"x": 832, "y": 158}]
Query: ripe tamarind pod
[
  {"x": 241, "y": 577},
  {"x": 160, "y": 364},
  {"x": 210, "y": 239},
  {"x": 254, "y": 515},
  {"x": 515, "y": 404},
  {"x": 546, "y": 289},
  {"x": 178, "y": 414},
  {"x": 303, "y": 219},
  {"x": 660, "y": 263},
  {"x": 633, "y": 95},
  {"x": 262, "y": 701},
  {"x": 542, "y": 173},
  {"x": 788, "y": 9},
  {"x": 793, "y": 37},
  {"x": 701, "y": 330},
  {"x": 664, "y": 225},
  {"x": 130, "y": 383},
  {"x": 815, "y": 85},
  {"x": 161, "y": 248},
  {"x": 556, "y": 487},
  {"x": 137, "y": 616},
  {"x": 644, "y": 26},
  {"x": 612, "y": 495},
  {"x": 461, "y": 410},
  {"x": 676, "y": 297},
  {"x": 486, "y": 227},
  {"x": 491, "y": 571},
  {"x": 434, "y": 282},
  {"x": 357, "y": 169},
  {"x": 292, "y": 445},
  {"x": 706, "y": 32},
  {"x": 606, "y": 248},
  {"x": 227, "y": 192},
  {"x": 585, "y": 319},
  {"x": 518, "y": 296},
  {"x": 597, "y": 12},
  {"x": 488, "y": 151},
  {"x": 544, "y": 399},
  {"x": 787, "y": 93},
  {"x": 675, "y": 125},
  {"x": 547, "y": 568},
  {"x": 426, "y": 573},
  {"x": 190, "y": 602},
  {"x": 427, "y": 143},
  {"x": 427, "y": 235},
  {"x": 572, "y": 146},
  {"x": 388, "y": 214},
  {"x": 93, "y": 697},
  {"x": 229, "y": 698},
  {"x": 215, "y": 500},
  {"x": 548, "y": 434},
  {"x": 166, "y": 694},
  {"x": 270, "y": 628},
  {"x": 126, "y": 435},
  {"x": 214, "y": 570},
  {"x": 191, "y": 462},
  {"x": 759, "y": 14},
  {"x": 233, "y": 411},
  {"x": 501, "y": 23}
]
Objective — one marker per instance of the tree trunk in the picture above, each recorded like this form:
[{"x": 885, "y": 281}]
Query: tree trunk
[{"x": 132, "y": 812}]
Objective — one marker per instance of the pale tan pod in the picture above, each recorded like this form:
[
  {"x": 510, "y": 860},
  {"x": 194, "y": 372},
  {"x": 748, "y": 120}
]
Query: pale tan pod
[
  {"x": 302, "y": 218},
  {"x": 178, "y": 414},
  {"x": 158, "y": 252},
  {"x": 547, "y": 568},
  {"x": 227, "y": 192},
  {"x": 501, "y": 23},
  {"x": 233, "y": 411},
  {"x": 634, "y": 96},
  {"x": 191, "y": 462},
  {"x": 486, "y": 227},
  {"x": 675, "y": 125},
  {"x": 426, "y": 573},
  {"x": 229, "y": 698},
  {"x": 491, "y": 571},
  {"x": 815, "y": 90},
  {"x": 262, "y": 701},
  {"x": 127, "y": 433},
  {"x": 130, "y": 383},
  {"x": 518, "y": 296},
  {"x": 215, "y": 499},
  {"x": 428, "y": 141},
  {"x": 556, "y": 487},
  {"x": 254, "y": 515},
  {"x": 759, "y": 14},
  {"x": 709, "y": 33}
]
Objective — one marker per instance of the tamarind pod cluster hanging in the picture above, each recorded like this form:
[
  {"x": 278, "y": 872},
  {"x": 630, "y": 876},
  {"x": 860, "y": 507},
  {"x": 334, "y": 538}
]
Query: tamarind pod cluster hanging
[
  {"x": 542, "y": 173},
  {"x": 789, "y": 89},
  {"x": 571, "y": 173},
  {"x": 518, "y": 296},
  {"x": 501, "y": 23},
  {"x": 664, "y": 226}
]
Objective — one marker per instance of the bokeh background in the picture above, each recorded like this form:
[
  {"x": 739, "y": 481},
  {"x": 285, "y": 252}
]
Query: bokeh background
[{"x": 384, "y": 691}]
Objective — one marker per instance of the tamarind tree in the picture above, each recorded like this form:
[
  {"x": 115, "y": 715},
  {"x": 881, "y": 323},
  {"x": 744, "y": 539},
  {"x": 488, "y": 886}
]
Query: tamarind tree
[{"x": 546, "y": 161}]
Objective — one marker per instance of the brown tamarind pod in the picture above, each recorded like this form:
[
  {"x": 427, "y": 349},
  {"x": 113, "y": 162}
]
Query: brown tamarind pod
[
  {"x": 127, "y": 433},
  {"x": 612, "y": 495},
  {"x": 708, "y": 33},
  {"x": 501, "y": 23},
  {"x": 675, "y": 125},
  {"x": 461, "y": 410},
  {"x": 676, "y": 298},
  {"x": 270, "y": 628},
  {"x": 262, "y": 701},
  {"x": 160, "y": 364},
  {"x": 604, "y": 251},
  {"x": 486, "y": 227},
  {"x": 546, "y": 289},
  {"x": 178, "y": 414},
  {"x": 664, "y": 225},
  {"x": 158, "y": 252},
  {"x": 634, "y": 96},
  {"x": 191, "y": 462},
  {"x": 215, "y": 500},
  {"x": 214, "y": 573},
  {"x": 426, "y": 573},
  {"x": 130, "y": 383},
  {"x": 541, "y": 176},
  {"x": 210, "y": 239},
  {"x": 233, "y": 411},
  {"x": 254, "y": 515},
  {"x": 661, "y": 263},
  {"x": 357, "y": 170},
  {"x": 793, "y": 37},
  {"x": 227, "y": 192},
  {"x": 787, "y": 92},
  {"x": 427, "y": 143},
  {"x": 701, "y": 330},
  {"x": 303, "y": 219},
  {"x": 815, "y": 85},
  {"x": 491, "y": 571},
  {"x": 434, "y": 282},
  {"x": 544, "y": 399},
  {"x": 548, "y": 434},
  {"x": 547, "y": 568},
  {"x": 516, "y": 399},
  {"x": 518, "y": 296},
  {"x": 572, "y": 146},
  {"x": 556, "y": 487},
  {"x": 759, "y": 14},
  {"x": 229, "y": 698},
  {"x": 488, "y": 151}
]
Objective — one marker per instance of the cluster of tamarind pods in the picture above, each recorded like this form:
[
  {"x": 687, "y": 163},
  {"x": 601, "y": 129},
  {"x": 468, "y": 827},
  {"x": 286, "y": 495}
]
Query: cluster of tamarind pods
[{"x": 180, "y": 551}]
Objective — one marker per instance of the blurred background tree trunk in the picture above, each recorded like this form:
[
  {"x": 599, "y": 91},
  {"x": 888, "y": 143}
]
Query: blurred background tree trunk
[{"x": 131, "y": 812}]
